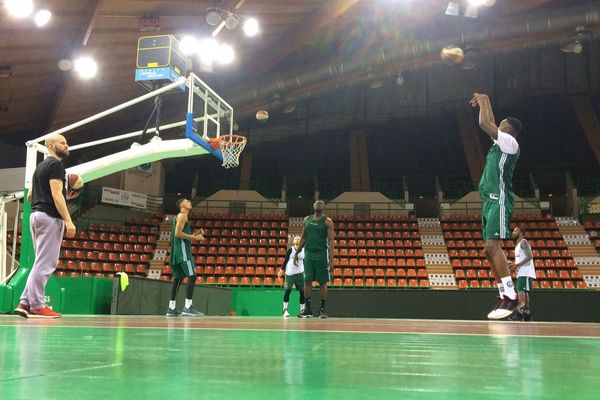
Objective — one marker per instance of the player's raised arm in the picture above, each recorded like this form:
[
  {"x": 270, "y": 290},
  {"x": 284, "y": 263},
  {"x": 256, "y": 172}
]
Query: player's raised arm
[{"x": 487, "y": 121}]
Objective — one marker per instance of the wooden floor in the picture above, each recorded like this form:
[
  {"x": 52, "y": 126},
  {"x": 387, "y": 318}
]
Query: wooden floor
[{"x": 263, "y": 358}]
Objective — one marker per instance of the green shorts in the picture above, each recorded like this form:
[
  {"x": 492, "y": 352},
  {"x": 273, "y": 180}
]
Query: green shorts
[
  {"x": 183, "y": 269},
  {"x": 315, "y": 266},
  {"x": 296, "y": 279},
  {"x": 524, "y": 284},
  {"x": 495, "y": 220}
]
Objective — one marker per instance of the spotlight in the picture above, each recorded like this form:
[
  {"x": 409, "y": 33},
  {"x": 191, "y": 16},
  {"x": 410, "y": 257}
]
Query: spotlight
[
  {"x": 251, "y": 27},
  {"x": 226, "y": 54},
  {"x": 208, "y": 50},
  {"x": 86, "y": 67},
  {"x": 375, "y": 84},
  {"x": 477, "y": 3},
  {"x": 574, "y": 47},
  {"x": 453, "y": 8},
  {"x": 472, "y": 11},
  {"x": 188, "y": 45},
  {"x": 289, "y": 108},
  {"x": 19, "y": 8},
  {"x": 232, "y": 21},
  {"x": 400, "y": 79},
  {"x": 213, "y": 17},
  {"x": 65, "y": 65},
  {"x": 42, "y": 17}
]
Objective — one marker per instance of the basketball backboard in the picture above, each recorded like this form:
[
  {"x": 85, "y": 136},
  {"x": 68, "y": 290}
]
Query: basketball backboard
[{"x": 208, "y": 115}]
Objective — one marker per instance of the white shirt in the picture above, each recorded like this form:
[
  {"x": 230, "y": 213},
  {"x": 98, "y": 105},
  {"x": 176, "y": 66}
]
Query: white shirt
[
  {"x": 507, "y": 143},
  {"x": 293, "y": 269},
  {"x": 526, "y": 269}
]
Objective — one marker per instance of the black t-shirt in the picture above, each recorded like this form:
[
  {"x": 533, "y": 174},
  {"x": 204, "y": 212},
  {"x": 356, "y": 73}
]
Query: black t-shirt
[{"x": 42, "y": 200}]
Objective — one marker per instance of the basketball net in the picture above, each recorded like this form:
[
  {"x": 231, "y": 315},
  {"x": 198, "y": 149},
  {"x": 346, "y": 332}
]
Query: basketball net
[{"x": 231, "y": 147}]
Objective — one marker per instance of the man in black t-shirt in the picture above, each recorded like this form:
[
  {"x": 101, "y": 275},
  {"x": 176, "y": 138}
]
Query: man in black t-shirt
[{"x": 49, "y": 215}]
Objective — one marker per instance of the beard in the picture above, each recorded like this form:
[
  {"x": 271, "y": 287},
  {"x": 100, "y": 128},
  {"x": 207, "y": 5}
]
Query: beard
[{"x": 62, "y": 153}]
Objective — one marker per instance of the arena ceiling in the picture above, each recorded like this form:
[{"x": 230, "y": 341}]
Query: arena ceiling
[{"x": 298, "y": 37}]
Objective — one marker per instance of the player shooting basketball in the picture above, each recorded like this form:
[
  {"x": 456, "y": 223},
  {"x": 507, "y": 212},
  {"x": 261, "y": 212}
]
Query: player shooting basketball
[{"x": 495, "y": 189}]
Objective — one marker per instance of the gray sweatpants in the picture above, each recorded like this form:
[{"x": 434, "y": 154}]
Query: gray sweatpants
[{"x": 46, "y": 233}]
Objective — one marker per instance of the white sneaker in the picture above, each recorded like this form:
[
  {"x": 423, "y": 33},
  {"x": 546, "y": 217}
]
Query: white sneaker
[
  {"x": 155, "y": 139},
  {"x": 506, "y": 309},
  {"x": 286, "y": 314}
]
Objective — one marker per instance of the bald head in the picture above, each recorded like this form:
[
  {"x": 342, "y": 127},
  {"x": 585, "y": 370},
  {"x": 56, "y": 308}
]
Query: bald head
[{"x": 57, "y": 146}]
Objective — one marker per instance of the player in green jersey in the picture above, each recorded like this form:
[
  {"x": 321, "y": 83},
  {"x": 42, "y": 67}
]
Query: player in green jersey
[
  {"x": 182, "y": 261},
  {"x": 495, "y": 190},
  {"x": 317, "y": 242}
]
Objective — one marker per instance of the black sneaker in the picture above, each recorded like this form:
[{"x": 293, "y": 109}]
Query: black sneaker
[
  {"x": 527, "y": 318},
  {"x": 307, "y": 313},
  {"x": 323, "y": 314},
  {"x": 172, "y": 313},
  {"x": 191, "y": 312},
  {"x": 507, "y": 307}
]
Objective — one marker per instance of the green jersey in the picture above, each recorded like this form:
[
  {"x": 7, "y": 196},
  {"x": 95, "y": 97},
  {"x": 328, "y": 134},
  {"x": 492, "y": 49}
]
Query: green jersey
[
  {"x": 315, "y": 233},
  {"x": 181, "y": 249},
  {"x": 496, "y": 181}
]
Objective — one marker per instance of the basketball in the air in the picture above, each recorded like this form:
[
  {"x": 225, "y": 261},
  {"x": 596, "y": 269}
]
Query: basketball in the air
[
  {"x": 262, "y": 115},
  {"x": 74, "y": 182},
  {"x": 215, "y": 143},
  {"x": 452, "y": 55}
]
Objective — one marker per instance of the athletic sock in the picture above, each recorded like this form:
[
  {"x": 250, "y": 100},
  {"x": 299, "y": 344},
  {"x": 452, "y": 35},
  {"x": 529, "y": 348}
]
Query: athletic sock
[
  {"x": 172, "y": 304},
  {"x": 188, "y": 303},
  {"x": 501, "y": 289},
  {"x": 509, "y": 290},
  {"x": 307, "y": 306},
  {"x": 285, "y": 306},
  {"x": 322, "y": 304}
]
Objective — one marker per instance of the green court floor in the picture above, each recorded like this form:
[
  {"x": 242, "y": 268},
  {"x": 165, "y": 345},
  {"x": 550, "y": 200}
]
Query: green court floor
[{"x": 70, "y": 362}]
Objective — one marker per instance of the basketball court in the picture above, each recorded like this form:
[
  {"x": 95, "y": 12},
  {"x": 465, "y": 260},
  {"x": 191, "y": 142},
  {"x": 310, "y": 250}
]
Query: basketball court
[
  {"x": 118, "y": 357},
  {"x": 259, "y": 358}
]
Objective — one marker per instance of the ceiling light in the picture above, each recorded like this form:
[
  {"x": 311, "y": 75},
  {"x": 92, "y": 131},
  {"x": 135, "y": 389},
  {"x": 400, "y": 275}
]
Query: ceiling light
[
  {"x": 472, "y": 11},
  {"x": 213, "y": 17},
  {"x": 65, "y": 65},
  {"x": 453, "y": 8},
  {"x": 375, "y": 84},
  {"x": 86, "y": 67},
  {"x": 574, "y": 47},
  {"x": 42, "y": 17},
  {"x": 188, "y": 45},
  {"x": 226, "y": 54},
  {"x": 232, "y": 21},
  {"x": 208, "y": 50},
  {"x": 477, "y": 3},
  {"x": 251, "y": 27},
  {"x": 400, "y": 79},
  {"x": 289, "y": 108},
  {"x": 19, "y": 8}
]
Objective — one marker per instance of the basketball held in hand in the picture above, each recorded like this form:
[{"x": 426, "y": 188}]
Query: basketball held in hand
[{"x": 74, "y": 182}]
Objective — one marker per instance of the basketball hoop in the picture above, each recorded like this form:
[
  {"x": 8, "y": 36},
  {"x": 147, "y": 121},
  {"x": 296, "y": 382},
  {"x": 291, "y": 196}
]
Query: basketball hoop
[{"x": 231, "y": 147}]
